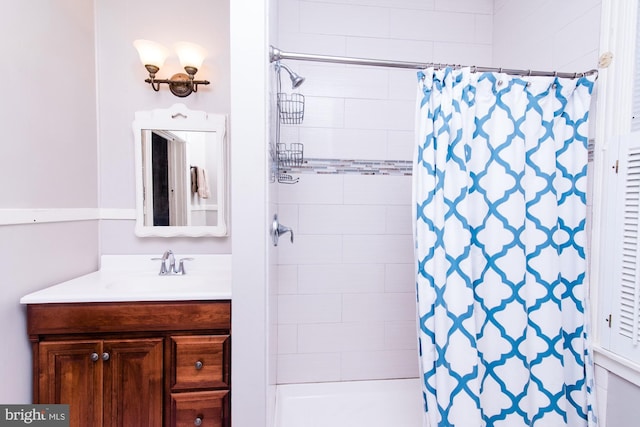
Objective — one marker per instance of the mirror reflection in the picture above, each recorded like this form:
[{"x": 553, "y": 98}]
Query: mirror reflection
[
  {"x": 181, "y": 173},
  {"x": 180, "y": 170}
]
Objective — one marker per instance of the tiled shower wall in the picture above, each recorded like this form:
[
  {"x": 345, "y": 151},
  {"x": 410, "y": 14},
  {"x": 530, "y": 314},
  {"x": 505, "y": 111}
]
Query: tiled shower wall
[{"x": 346, "y": 304}]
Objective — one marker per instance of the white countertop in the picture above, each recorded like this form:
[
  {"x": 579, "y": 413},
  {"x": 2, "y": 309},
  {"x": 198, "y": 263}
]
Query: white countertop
[{"x": 135, "y": 278}]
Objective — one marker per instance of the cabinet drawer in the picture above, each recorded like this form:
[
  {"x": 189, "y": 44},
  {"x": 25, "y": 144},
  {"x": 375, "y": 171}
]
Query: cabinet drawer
[
  {"x": 200, "y": 362},
  {"x": 201, "y": 408}
]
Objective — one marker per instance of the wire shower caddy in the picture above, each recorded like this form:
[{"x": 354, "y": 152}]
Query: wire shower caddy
[
  {"x": 290, "y": 108},
  {"x": 290, "y": 111},
  {"x": 290, "y": 156}
]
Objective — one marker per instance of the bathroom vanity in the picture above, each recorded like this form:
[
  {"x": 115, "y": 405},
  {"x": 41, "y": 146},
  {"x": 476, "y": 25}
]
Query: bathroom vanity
[{"x": 121, "y": 359}]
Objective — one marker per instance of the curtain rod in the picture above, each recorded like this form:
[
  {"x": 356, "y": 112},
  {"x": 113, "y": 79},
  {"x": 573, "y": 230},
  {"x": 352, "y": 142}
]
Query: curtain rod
[{"x": 276, "y": 55}]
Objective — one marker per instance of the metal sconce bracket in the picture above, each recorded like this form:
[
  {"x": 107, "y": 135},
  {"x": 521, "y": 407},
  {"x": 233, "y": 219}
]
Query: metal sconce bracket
[{"x": 180, "y": 84}]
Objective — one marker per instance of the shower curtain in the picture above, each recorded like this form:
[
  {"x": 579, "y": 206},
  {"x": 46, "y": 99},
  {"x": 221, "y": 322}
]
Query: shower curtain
[{"x": 499, "y": 190}]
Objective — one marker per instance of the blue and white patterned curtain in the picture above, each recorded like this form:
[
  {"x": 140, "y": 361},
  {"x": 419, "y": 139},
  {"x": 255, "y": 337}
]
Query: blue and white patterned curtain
[{"x": 499, "y": 186}]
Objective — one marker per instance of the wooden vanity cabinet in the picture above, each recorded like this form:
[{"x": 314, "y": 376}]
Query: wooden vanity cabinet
[
  {"x": 105, "y": 382},
  {"x": 135, "y": 363}
]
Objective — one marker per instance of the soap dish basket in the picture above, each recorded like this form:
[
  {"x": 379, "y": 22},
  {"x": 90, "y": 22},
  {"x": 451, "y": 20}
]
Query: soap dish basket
[{"x": 291, "y": 108}]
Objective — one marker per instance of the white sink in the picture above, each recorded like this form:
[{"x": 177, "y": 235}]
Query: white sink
[
  {"x": 136, "y": 278},
  {"x": 156, "y": 283}
]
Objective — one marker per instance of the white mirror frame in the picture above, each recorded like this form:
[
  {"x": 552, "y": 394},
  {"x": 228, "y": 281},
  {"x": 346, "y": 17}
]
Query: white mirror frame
[{"x": 179, "y": 118}]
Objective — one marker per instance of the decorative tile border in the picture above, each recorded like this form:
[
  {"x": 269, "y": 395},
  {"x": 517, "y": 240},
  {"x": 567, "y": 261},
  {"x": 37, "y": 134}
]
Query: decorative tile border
[
  {"x": 353, "y": 167},
  {"x": 364, "y": 167}
]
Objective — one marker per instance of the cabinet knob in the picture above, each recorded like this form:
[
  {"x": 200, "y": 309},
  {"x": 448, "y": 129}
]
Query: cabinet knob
[
  {"x": 199, "y": 365},
  {"x": 197, "y": 421},
  {"x": 105, "y": 356},
  {"x": 94, "y": 357}
]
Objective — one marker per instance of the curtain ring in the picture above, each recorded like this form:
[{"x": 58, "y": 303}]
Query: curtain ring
[{"x": 529, "y": 73}]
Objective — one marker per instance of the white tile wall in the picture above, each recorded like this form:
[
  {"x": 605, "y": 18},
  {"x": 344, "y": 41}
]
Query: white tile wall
[
  {"x": 399, "y": 278},
  {"x": 341, "y": 278},
  {"x": 382, "y": 306},
  {"x": 389, "y": 190},
  {"x": 466, "y": 6},
  {"x": 311, "y": 308},
  {"x": 393, "y": 49},
  {"x": 432, "y": 25},
  {"x": 377, "y": 248},
  {"x": 342, "y": 219},
  {"x": 346, "y": 307},
  {"x": 360, "y": 365},
  {"x": 378, "y": 114},
  {"x": 352, "y": 82},
  {"x": 344, "y": 19},
  {"x": 309, "y": 367},
  {"x": 340, "y": 143}
]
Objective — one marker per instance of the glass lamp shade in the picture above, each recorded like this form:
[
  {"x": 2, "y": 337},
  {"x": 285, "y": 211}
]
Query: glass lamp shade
[
  {"x": 151, "y": 53},
  {"x": 190, "y": 54}
]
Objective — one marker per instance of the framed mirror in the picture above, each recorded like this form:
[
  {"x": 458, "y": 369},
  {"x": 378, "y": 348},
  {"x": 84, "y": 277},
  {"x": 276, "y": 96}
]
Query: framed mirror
[{"x": 181, "y": 173}]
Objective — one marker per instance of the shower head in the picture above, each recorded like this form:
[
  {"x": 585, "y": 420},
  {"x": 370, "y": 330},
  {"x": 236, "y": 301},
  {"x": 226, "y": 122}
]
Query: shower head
[{"x": 296, "y": 79}]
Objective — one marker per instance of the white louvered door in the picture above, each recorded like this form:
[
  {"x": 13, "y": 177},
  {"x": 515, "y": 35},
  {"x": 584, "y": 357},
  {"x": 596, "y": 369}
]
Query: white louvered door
[{"x": 625, "y": 334}]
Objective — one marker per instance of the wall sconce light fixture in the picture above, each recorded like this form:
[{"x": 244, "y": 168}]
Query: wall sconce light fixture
[{"x": 153, "y": 55}]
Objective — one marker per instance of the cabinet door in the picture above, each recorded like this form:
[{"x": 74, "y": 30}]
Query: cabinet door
[
  {"x": 133, "y": 382},
  {"x": 70, "y": 373}
]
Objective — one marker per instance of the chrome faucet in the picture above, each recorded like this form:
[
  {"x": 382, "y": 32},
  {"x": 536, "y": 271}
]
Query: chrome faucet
[
  {"x": 168, "y": 256},
  {"x": 171, "y": 268}
]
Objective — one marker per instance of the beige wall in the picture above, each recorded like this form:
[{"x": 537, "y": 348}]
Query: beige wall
[
  {"x": 48, "y": 160},
  {"x": 68, "y": 142},
  {"x": 122, "y": 92}
]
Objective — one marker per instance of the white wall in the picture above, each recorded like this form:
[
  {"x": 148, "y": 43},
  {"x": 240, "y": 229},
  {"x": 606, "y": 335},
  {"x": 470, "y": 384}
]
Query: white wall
[
  {"x": 346, "y": 307},
  {"x": 122, "y": 91},
  {"x": 273, "y": 278},
  {"x": 249, "y": 207},
  {"x": 47, "y": 160}
]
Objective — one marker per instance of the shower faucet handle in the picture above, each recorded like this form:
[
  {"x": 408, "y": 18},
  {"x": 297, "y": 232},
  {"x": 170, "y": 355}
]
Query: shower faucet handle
[{"x": 278, "y": 229}]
